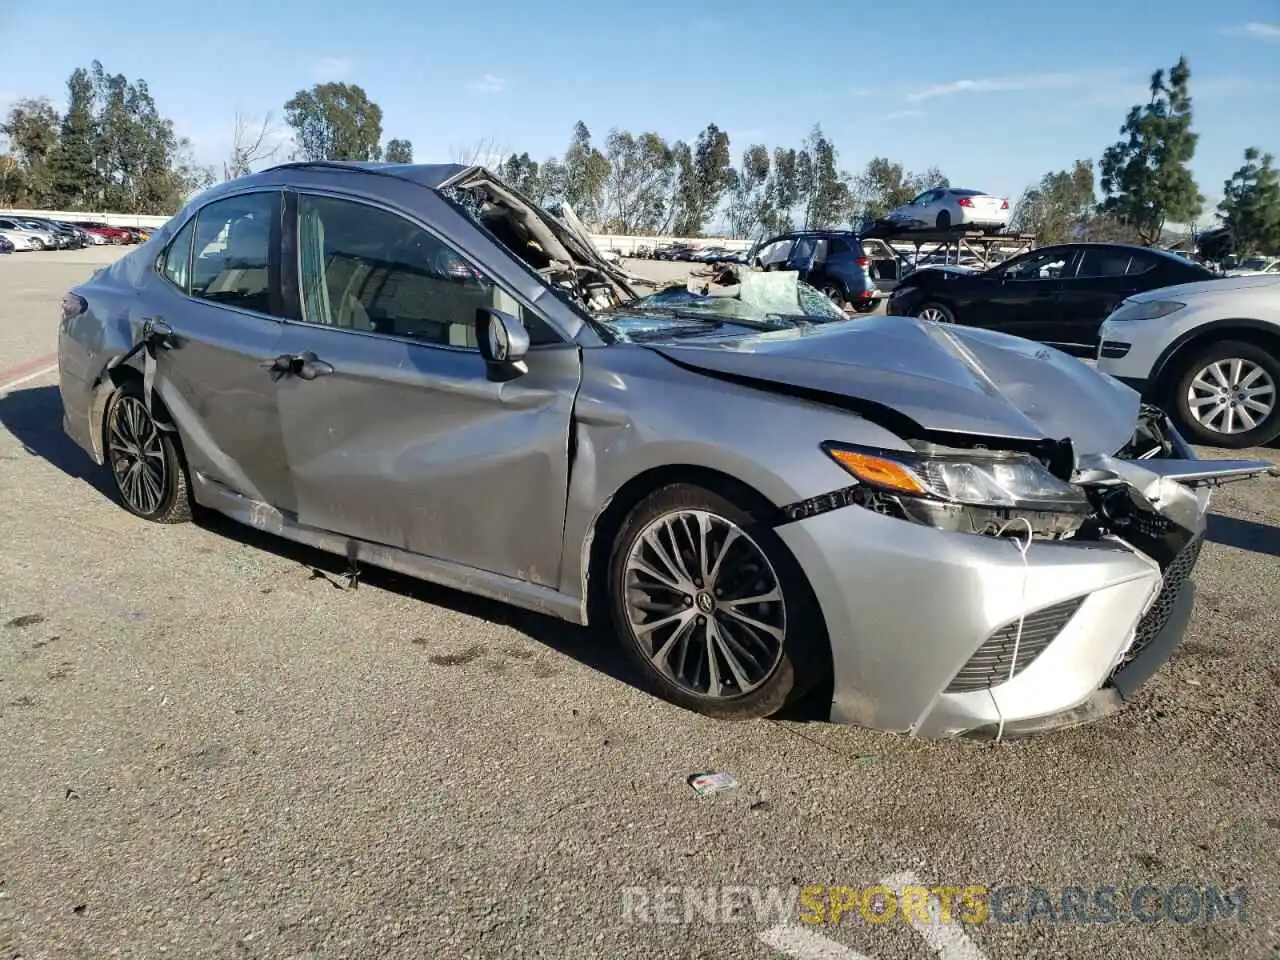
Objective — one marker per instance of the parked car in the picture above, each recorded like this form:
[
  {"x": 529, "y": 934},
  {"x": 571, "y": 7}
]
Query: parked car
[
  {"x": 831, "y": 260},
  {"x": 1256, "y": 265},
  {"x": 757, "y": 496},
  {"x": 946, "y": 208},
  {"x": 1057, "y": 294},
  {"x": 22, "y": 240},
  {"x": 1208, "y": 352},
  {"x": 36, "y": 239},
  {"x": 113, "y": 234}
]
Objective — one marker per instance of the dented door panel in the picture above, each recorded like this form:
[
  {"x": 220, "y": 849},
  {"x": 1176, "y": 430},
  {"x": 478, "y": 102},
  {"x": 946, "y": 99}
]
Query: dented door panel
[{"x": 412, "y": 446}]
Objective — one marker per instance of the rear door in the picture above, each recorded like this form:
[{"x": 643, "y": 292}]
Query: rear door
[
  {"x": 1102, "y": 277},
  {"x": 219, "y": 290},
  {"x": 403, "y": 440}
]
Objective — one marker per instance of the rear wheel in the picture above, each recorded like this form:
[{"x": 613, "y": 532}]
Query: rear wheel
[
  {"x": 935, "y": 313},
  {"x": 944, "y": 220},
  {"x": 145, "y": 462},
  {"x": 712, "y": 607},
  {"x": 1228, "y": 395},
  {"x": 836, "y": 293}
]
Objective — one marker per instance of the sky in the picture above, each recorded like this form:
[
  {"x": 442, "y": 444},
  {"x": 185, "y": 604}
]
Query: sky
[{"x": 995, "y": 93}]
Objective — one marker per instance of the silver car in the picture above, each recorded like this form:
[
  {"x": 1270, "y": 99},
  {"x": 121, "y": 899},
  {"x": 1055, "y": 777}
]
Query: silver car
[{"x": 935, "y": 530}]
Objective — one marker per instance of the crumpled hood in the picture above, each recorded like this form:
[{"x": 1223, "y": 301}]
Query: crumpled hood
[{"x": 945, "y": 378}]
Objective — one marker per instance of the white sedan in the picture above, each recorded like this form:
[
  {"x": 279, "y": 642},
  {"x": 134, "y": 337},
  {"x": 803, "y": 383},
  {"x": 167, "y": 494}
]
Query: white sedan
[{"x": 947, "y": 208}]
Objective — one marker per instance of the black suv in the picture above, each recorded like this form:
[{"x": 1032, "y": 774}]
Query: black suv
[{"x": 831, "y": 260}]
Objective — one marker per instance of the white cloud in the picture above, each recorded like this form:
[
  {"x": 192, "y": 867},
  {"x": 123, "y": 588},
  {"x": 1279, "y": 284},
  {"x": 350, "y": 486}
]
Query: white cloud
[
  {"x": 1012, "y": 84},
  {"x": 331, "y": 68},
  {"x": 487, "y": 84},
  {"x": 862, "y": 91},
  {"x": 902, "y": 114},
  {"x": 1255, "y": 29}
]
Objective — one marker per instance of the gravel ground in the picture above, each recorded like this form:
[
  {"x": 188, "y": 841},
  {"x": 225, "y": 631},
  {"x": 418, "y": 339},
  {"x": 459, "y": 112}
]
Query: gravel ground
[{"x": 210, "y": 750}]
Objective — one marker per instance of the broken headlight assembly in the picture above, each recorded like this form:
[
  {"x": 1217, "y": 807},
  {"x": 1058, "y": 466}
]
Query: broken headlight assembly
[{"x": 964, "y": 491}]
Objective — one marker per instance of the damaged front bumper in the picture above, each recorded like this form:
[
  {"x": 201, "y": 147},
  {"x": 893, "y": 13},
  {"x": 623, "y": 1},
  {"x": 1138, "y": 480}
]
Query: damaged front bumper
[{"x": 958, "y": 634}]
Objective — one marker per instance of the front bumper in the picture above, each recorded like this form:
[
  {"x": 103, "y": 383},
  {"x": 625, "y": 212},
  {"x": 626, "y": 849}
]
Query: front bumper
[{"x": 910, "y": 610}]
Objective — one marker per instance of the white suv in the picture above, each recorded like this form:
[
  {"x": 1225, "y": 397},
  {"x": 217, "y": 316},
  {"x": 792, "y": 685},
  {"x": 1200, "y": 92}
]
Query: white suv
[{"x": 1208, "y": 352}]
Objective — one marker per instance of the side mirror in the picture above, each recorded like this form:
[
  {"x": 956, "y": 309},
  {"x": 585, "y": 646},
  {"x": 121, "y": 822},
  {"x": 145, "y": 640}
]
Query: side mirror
[{"x": 503, "y": 342}]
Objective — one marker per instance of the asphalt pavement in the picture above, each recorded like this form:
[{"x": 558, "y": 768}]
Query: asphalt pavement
[{"x": 209, "y": 748}]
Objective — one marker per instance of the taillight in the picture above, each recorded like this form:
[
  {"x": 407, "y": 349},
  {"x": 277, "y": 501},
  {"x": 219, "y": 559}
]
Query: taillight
[
  {"x": 72, "y": 306},
  {"x": 1004, "y": 205},
  {"x": 862, "y": 261},
  {"x": 966, "y": 202}
]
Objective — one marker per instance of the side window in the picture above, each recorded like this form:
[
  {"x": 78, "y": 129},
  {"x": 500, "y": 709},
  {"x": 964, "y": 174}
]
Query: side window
[
  {"x": 1042, "y": 266},
  {"x": 363, "y": 268},
  {"x": 837, "y": 247},
  {"x": 802, "y": 250},
  {"x": 776, "y": 252},
  {"x": 232, "y": 251},
  {"x": 1140, "y": 263},
  {"x": 177, "y": 259}
]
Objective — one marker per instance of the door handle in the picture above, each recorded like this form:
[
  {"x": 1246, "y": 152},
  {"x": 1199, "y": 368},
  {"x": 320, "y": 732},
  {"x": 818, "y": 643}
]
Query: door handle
[{"x": 304, "y": 366}]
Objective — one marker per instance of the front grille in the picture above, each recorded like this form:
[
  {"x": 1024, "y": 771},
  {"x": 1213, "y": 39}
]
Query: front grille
[
  {"x": 1175, "y": 575},
  {"x": 992, "y": 662}
]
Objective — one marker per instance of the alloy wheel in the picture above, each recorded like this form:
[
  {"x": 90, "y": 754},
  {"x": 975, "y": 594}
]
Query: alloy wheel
[
  {"x": 1231, "y": 396},
  {"x": 705, "y": 604},
  {"x": 137, "y": 456},
  {"x": 933, "y": 315}
]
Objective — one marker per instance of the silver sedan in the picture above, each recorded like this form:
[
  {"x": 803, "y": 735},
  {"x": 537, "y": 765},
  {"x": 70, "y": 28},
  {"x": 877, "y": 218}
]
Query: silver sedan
[{"x": 934, "y": 530}]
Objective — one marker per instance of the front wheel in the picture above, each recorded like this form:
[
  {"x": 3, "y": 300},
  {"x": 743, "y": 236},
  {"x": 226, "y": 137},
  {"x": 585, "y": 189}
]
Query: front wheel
[
  {"x": 1229, "y": 396},
  {"x": 712, "y": 607},
  {"x": 145, "y": 462},
  {"x": 935, "y": 313}
]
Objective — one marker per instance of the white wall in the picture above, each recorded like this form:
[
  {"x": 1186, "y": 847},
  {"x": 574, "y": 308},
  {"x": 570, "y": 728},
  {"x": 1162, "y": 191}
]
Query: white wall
[{"x": 603, "y": 242}]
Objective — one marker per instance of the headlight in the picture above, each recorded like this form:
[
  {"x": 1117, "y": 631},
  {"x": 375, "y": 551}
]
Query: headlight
[
  {"x": 1145, "y": 309},
  {"x": 965, "y": 490}
]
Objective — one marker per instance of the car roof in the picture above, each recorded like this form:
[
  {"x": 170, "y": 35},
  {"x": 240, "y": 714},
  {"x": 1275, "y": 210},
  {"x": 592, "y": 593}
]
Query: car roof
[{"x": 430, "y": 175}]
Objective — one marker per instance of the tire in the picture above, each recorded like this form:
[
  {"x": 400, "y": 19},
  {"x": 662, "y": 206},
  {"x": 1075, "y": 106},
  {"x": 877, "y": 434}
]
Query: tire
[
  {"x": 168, "y": 498},
  {"x": 836, "y": 293},
  {"x": 1258, "y": 370},
  {"x": 787, "y": 660},
  {"x": 37, "y": 244},
  {"x": 944, "y": 220},
  {"x": 944, "y": 314}
]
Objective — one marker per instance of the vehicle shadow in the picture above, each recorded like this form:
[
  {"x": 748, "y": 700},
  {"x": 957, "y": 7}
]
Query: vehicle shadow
[
  {"x": 34, "y": 418},
  {"x": 1244, "y": 535}
]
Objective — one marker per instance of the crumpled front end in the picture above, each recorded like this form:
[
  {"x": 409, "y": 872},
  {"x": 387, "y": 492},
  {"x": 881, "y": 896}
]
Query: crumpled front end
[{"x": 947, "y": 619}]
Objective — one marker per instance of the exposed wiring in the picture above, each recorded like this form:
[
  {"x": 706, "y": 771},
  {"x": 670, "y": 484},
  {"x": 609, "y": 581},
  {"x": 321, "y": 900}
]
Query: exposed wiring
[{"x": 1023, "y": 547}]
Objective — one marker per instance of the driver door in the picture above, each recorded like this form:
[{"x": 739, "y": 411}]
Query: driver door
[
  {"x": 1025, "y": 294},
  {"x": 395, "y": 435}
]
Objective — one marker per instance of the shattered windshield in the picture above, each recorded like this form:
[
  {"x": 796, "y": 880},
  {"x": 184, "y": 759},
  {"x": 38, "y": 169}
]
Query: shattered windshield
[{"x": 760, "y": 301}]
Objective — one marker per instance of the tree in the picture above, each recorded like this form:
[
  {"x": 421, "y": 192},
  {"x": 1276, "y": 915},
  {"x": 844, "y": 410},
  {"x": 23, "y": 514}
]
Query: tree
[
  {"x": 335, "y": 121},
  {"x": 747, "y": 191},
  {"x": 704, "y": 175},
  {"x": 1146, "y": 179},
  {"x": 32, "y": 129},
  {"x": 523, "y": 173},
  {"x": 781, "y": 192},
  {"x": 638, "y": 183},
  {"x": 1057, "y": 208},
  {"x": 820, "y": 186},
  {"x": 585, "y": 171},
  {"x": 250, "y": 144},
  {"x": 484, "y": 152},
  {"x": 399, "y": 151},
  {"x": 76, "y": 184},
  {"x": 1250, "y": 207}
]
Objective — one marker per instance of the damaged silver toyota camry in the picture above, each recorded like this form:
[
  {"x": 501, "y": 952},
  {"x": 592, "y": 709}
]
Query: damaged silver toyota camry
[{"x": 954, "y": 532}]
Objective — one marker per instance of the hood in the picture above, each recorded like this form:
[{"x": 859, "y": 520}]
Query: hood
[
  {"x": 944, "y": 379},
  {"x": 1214, "y": 286}
]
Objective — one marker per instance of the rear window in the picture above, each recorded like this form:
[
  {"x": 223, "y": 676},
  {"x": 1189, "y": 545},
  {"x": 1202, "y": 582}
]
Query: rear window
[{"x": 967, "y": 193}]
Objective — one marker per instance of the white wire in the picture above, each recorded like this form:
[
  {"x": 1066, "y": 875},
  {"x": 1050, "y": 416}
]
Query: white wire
[{"x": 1022, "y": 547}]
